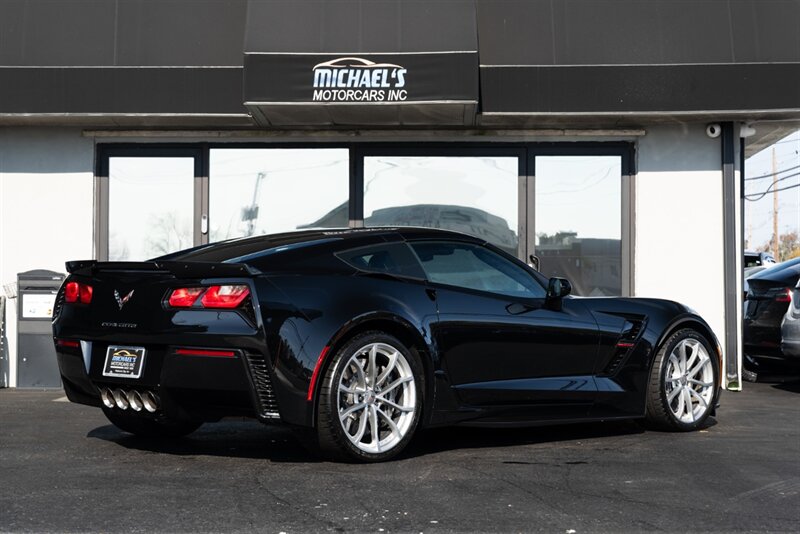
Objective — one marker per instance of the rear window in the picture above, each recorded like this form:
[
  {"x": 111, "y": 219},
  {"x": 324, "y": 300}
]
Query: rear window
[{"x": 391, "y": 258}]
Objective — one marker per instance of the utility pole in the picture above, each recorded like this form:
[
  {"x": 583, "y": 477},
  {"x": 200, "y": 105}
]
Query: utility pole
[
  {"x": 250, "y": 213},
  {"x": 776, "y": 242}
]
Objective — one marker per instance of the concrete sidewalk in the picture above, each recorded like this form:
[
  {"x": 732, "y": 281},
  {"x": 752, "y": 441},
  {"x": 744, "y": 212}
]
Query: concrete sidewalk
[{"x": 63, "y": 468}]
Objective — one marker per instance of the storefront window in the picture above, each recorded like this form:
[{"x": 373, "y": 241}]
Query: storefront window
[
  {"x": 473, "y": 194},
  {"x": 578, "y": 218},
  {"x": 150, "y": 206},
  {"x": 270, "y": 190}
]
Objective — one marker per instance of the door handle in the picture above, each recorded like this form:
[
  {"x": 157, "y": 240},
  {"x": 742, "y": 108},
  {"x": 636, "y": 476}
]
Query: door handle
[{"x": 431, "y": 293}]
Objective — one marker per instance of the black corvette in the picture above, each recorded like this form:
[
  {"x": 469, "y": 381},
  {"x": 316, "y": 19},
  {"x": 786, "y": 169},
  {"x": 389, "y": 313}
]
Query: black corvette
[{"x": 360, "y": 337}]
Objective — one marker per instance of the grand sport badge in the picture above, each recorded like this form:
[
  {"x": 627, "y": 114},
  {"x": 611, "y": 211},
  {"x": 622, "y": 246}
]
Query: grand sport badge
[{"x": 353, "y": 79}]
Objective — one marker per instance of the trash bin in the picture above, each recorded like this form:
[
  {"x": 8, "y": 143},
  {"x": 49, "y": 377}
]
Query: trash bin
[{"x": 36, "y": 355}]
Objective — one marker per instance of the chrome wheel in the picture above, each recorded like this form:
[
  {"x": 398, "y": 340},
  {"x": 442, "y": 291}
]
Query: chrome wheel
[
  {"x": 377, "y": 398},
  {"x": 689, "y": 381}
]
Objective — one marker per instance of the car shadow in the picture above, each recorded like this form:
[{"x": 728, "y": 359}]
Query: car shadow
[
  {"x": 790, "y": 384},
  {"x": 232, "y": 439},
  {"x": 252, "y": 440},
  {"x": 464, "y": 437}
]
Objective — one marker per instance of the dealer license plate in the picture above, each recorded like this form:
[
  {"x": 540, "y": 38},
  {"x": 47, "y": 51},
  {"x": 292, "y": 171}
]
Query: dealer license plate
[{"x": 124, "y": 362}]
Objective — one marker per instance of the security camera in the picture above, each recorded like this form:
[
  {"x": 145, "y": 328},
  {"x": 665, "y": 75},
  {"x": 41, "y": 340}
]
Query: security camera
[{"x": 713, "y": 130}]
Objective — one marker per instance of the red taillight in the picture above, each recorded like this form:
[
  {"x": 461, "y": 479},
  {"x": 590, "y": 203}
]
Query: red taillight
[
  {"x": 85, "y": 293},
  {"x": 229, "y": 296},
  {"x": 226, "y": 296},
  {"x": 206, "y": 352},
  {"x": 77, "y": 292},
  {"x": 71, "y": 292},
  {"x": 184, "y": 297},
  {"x": 785, "y": 296},
  {"x": 68, "y": 343}
]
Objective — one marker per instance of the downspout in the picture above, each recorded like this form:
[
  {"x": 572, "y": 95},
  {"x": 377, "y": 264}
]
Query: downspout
[{"x": 732, "y": 192}]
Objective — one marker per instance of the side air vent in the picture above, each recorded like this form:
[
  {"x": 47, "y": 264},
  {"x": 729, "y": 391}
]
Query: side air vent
[
  {"x": 631, "y": 331},
  {"x": 267, "y": 404},
  {"x": 59, "y": 303},
  {"x": 627, "y": 340}
]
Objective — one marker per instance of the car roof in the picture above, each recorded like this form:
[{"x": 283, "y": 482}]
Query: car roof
[{"x": 239, "y": 249}]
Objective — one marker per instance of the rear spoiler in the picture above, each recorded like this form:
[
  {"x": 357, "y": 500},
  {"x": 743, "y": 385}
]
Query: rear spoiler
[{"x": 180, "y": 269}]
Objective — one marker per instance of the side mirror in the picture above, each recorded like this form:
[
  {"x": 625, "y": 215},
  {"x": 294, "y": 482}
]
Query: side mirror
[
  {"x": 557, "y": 288},
  {"x": 533, "y": 261}
]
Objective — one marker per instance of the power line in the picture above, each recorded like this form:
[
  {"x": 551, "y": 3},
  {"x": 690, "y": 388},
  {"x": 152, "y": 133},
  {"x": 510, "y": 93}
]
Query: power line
[
  {"x": 782, "y": 178},
  {"x": 770, "y": 175},
  {"x": 765, "y": 193},
  {"x": 769, "y": 189}
]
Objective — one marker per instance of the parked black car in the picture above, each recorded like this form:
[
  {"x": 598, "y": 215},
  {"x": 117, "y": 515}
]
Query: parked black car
[
  {"x": 757, "y": 259},
  {"x": 360, "y": 337},
  {"x": 768, "y": 298},
  {"x": 790, "y": 326}
]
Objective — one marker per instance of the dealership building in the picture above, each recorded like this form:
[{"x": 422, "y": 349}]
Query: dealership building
[{"x": 606, "y": 137}]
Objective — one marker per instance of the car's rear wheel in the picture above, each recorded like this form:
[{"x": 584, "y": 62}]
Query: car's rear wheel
[
  {"x": 371, "y": 399},
  {"x": 159, "y": 426},
  {"x": 683, "y": 382}
]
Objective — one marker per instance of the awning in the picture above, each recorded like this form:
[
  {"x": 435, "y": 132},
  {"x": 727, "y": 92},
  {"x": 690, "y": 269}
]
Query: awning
[
  {"x": 545, "y": 62},
  {"x": 341, "y": 64}
]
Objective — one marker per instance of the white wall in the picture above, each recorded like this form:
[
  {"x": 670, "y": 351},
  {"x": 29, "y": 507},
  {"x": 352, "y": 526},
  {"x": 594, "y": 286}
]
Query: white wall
[
  {"x": 679, "y": 221},
  {"x": 46, "y": 207}
]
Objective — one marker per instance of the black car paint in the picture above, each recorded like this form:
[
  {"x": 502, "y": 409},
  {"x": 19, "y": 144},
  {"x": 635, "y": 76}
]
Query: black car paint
[
  {"x": 488, "y": 359},
  {"x": 766, "y": 305},
  {"x": 790, "y": 326}
]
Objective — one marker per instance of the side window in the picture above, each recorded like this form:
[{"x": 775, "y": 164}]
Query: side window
[
  {"x": 475, "y": 267},
  {"x": 391, "y": 258}
]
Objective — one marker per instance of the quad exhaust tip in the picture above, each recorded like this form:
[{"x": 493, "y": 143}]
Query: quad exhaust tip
[
  {"x": 136, "y": 401},
  {"x": 107, "y": 397},
  {"x": 120, "y": 399},
  {"x": 150, "y": 401}
]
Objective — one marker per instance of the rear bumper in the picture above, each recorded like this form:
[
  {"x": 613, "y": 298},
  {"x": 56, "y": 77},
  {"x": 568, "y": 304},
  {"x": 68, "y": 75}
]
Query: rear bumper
[
  {"x": 201, "y": 388},
  {"x": 791, "y": 350},
  {"x": 762, "y": 340}
]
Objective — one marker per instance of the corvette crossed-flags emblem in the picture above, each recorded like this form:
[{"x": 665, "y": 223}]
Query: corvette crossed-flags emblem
[{"x": 122, "y": 300}]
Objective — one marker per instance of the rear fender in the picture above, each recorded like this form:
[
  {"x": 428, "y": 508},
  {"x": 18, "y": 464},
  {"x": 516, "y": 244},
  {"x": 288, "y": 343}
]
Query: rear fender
[{"x": 396, "y": 326}]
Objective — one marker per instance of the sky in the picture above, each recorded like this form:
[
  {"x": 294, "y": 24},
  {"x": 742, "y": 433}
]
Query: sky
[{"x": 758, "y": 214}]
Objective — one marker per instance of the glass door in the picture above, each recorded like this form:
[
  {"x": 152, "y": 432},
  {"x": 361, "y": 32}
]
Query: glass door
[{"x": 150, "y": 205}]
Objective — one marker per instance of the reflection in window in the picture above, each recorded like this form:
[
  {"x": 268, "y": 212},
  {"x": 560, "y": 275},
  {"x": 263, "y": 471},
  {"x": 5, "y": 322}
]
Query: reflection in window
[
  {"x": 475, "y": 267},
  {"x": 393, "y": 258},
  {"x": 474, "y": 195},
  {"x": 150, "y": 206},
  {"x": 579, "y": 221},
  {"x": 265, "y": 191}
]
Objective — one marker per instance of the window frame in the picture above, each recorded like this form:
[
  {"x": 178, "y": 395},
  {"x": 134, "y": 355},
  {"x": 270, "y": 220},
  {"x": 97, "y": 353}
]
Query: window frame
[
  {"x": 102, "y": 186},
  {"x": 526, "y": 152}
]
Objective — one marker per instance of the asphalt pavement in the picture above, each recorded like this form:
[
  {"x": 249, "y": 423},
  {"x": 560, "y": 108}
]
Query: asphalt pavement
[{"x": 64, "y": 468}]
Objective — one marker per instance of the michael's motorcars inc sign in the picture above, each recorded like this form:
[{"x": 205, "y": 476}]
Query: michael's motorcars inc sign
[
  {"x": 355, "y": 79},
  {"x": 282, "y": 78}
]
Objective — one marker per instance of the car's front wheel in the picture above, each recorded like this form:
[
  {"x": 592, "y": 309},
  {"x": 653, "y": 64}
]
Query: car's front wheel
[
  {"x": 371, "y": 399},
  {"x": 684, "y": 382}
]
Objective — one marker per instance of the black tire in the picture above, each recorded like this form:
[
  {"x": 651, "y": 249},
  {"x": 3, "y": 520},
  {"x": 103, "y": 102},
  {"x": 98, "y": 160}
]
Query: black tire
[
  {"x": 159, "y": 426},
  {"x": 332, "y": 440},
  {"x": 749, "y": 376},
  {"x": 659, "y": 413}
]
